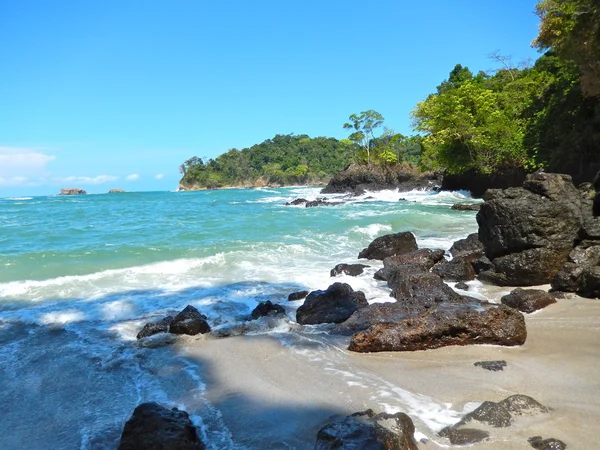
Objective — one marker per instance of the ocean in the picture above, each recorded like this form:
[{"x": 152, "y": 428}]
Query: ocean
[{"x": 81, "y": 275}]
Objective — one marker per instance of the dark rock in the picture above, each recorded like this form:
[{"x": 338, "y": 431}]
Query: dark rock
[
  {"x": 462, "y": 286},
  {"x": 334, "y": 305},
  {"x": 406, "y": 284},
  {"x": 466, "y": 206},
  {"x": 425, "y": 258},
  {"x": 528, "y": 232},
  {"x": 161, "y": 326},
  {"x": 590, "y": 282},
  {"x": 265, "y": 309},
  {"x": 189, "y": 321},
  {"x": 478, "y": 183},
  {"x": 446, "y": 324},
  {"x": 368, "y": 431},
  {"x": 482, "y": 264},
  {"x": 470, "y": 248},
  {"x": 297, "y": 295},
  {"x": 493, "y": 366},
  {"x": 490, "y": 413},
  {"x": 357, "y": 179},
  {"x": 348, "y": 269},
  {"x": 464, "y": 436},
  {"x": 539, "y": 443},
  {"x": 520, "y": 405},
  {"x": 321, "y": 202},
  {"x": 576, "y": 275},
  {"x": 458, "y": 269},
  {"x": 528, "y": 300},
  {"x": 153, "y": 427},
  {"x": 390, "y": 245},
  {"x": 296, "y": 202},
  {"x": 72, "y": 191}
]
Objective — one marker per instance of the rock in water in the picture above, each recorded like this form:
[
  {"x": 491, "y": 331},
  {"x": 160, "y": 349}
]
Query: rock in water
[
  {"x": 348, "y": 269},
  {"x": 297, "y": 295},
  {"x": 153, "y": 427},
  {"x": 72, "y": 191},
  {"x": 334, "y": 305},
  {"x": 466, "y": 206},
  {"x": 189, "y": 321},
  {"x": 368, "y": 431},
  {"x": 265, "y": 309},
  {"x": 390, "y": 245},
  {"x": 161, "y": 326},
  {"x": 528, "y": 300},
  {"x": 493, "y": 366},
  {"x": 539, "y": 443},
  {"x": 446, "y": 324}
]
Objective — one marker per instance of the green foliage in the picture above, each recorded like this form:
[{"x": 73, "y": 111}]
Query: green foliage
[
  {"x": 285, "y": 160},
  {"x": 571, "y": 28},
  {"x": 363, "y": 125}
]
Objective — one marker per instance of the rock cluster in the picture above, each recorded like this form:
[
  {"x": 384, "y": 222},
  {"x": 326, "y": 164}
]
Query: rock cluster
[
  {"x": 189, "y": 321},
  {"x": 542, "y": 232}
]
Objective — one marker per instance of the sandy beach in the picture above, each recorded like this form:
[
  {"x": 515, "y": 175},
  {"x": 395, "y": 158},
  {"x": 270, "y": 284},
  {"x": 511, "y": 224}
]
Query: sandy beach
[{"x": 279, "y": 390}]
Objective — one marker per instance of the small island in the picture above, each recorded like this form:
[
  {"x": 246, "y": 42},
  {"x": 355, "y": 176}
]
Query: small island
[
  {"x": 72, "y": 191},
  {"x": 116, "y": 191}
]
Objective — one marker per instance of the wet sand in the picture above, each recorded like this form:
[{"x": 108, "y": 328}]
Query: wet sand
[{"x": 277, "y": 391}]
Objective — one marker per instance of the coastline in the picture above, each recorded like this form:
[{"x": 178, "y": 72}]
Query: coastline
[{"x": 271, "y": 388}]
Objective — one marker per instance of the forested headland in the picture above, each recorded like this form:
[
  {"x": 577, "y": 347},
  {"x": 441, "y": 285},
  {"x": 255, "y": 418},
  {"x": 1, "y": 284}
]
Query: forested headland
[{"x": 520, "y": 117}]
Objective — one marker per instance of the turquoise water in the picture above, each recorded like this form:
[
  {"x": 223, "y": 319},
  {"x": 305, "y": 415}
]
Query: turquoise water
[{"x": 81, "y": 275}]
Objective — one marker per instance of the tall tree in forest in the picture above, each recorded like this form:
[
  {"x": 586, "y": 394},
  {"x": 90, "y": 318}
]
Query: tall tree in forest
[{"x": 363, "y": 125}]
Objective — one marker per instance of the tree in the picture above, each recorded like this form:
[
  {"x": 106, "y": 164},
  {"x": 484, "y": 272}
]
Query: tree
[
  {"x": 363, "y": 126},
  {"x": 572, "y": 29}
]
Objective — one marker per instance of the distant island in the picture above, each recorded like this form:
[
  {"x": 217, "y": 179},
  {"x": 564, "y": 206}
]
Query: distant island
[{"x": 72, "y": 191}]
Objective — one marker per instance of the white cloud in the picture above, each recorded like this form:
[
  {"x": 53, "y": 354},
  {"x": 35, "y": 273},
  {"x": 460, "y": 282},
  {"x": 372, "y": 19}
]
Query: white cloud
[
  {"x": 132, "y": 177},
  {"x": 22, "y": 162},
  {"x": 159, "y": 176},
  {"x": 100, "y": 179}
]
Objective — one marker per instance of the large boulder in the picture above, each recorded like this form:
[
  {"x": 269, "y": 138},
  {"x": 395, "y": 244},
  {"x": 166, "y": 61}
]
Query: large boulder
[
  {"x": 528, "y": 232},
  {"x": 446, "y": 324},
  {"x": 577, "y": 273},
  {"x": 368, "y": 431},
  {"x": 333, "y": 305},
  {"x": 154, "y": 427},
  {"x": 390, "y": 245},
  {"x": 528, "y": 300}
]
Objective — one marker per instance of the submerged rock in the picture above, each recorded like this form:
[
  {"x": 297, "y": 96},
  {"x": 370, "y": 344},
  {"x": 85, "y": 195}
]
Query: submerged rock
[
  {"x": 348, "y": 269},
  {"x": 539, "y": 443},
  {"x": 390, "y": 245},
  {"x": 333, "y": 305},
  {"x": 493, "y": 366},
  {"x": 151, "y": 328},
  {"x": 368, "y": 431},
  {"x": 446, "y": 324},
  {"x": 265, "y": 309},
  {"x": 154, "y": 427},
  {"x": 528, "y": 300}
]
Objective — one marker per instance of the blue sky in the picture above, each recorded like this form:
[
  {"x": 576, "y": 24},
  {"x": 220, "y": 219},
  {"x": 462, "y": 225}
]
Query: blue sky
[{"x": 119, "y": 93}]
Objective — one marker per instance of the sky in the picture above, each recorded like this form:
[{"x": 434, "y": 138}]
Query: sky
[{"x": 118, "y": 93}]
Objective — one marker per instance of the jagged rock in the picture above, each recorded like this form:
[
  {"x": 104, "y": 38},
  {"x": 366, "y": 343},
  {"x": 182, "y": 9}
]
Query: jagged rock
[
  {"x": 528, "y": 232},
  {"x": 296, "y": 202},
  {"x": 421, "y": 260},
  {"x": 72, "y": 191},
  {"x": 462, "y": 286},
  {"x": 458, "y": 269},
  {"x": 528, "y": 300},
  {"x": 390, "y": 245},
  {"x": 297, "y": 295},
  {"x": 429, "y": 287},
  {"x": 357, "y": 179},
  {"x": 482, "y": 264},
  {"x": 470, "y": 248},
  {"x": 115, "y": 191},
  {"x": 466, "y": 206},
  {"x": 493, "y": 366},
  {"x": 333, "y": 305},
  {"x": 189, "y": 321},
  {"x": 265, "y": 309},
  {"x": 576, "y": 275},
  {"x": 368, "y": 431},
  {"x": 153, "y": 427},
  {"x": 160, "y": 326},
  {"x": 348, "y": 269},
  {"x": 446, "y": 324},
  {"x": 539, "y": 443}
]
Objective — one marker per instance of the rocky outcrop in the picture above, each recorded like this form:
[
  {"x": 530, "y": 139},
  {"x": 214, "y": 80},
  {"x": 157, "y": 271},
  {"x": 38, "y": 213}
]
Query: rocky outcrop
[
  {"x": 491, "y": 414},
  {"x": 154, "y": 427},
  {"x": 528, "y": 232},
  {"x": 478, "y": 183},
  {"x": 267, "y": 308},
  {"x": 333, "y": 305},
  {"x": 447, "y": 324},
  {"x": 528, "y": 300},
  {"x": 116, "y": 191},
  {"x": 189, "y": 321},
  {"x": 72, "y": 191},
  {"x": 466, "y": 206},
  {"x": 348, "y": 269},
  {"x": 312, "y": 203},
  {"x": 390, "y": 245},
  {"x": 358, "y": 178},
  {"x": 367, "y": 430}
]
